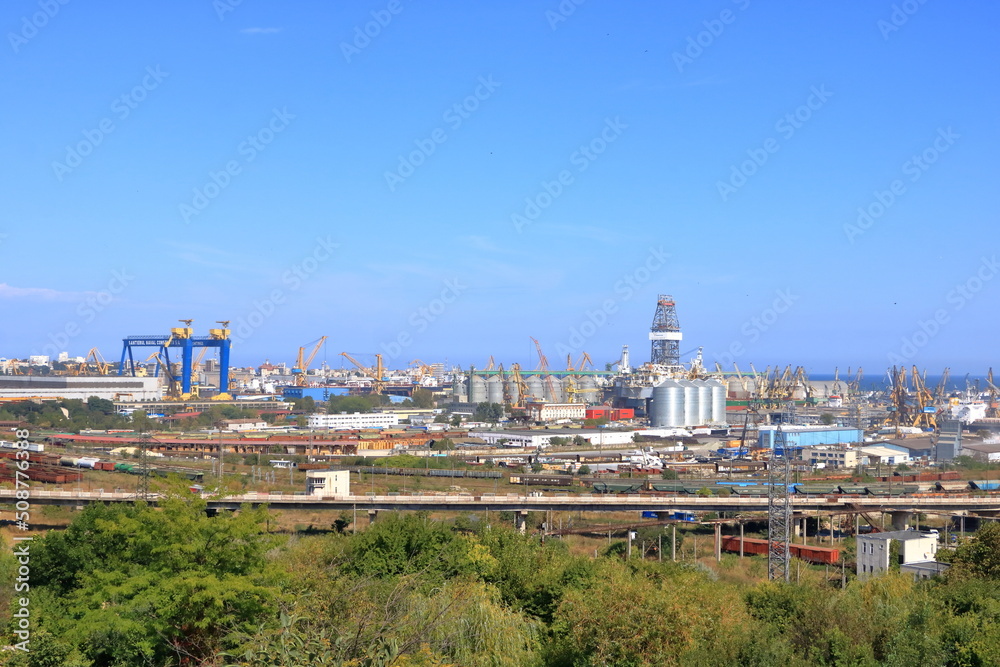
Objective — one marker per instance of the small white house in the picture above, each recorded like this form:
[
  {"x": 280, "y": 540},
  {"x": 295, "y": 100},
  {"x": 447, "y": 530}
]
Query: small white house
[
  {"x": 914, "y": 548},
  {"x": 328, "y": 483}
]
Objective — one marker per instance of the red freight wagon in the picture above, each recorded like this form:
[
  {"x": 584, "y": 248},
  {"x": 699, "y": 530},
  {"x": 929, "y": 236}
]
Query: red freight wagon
[{"x": 754, "y": 546}]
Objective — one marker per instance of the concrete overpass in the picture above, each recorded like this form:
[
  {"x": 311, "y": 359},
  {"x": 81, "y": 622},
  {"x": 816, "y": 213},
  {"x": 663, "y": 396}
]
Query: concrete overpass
[{"x": 985, "y": 505}]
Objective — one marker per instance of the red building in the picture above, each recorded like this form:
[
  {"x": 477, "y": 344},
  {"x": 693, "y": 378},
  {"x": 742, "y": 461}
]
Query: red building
[{"x": 609, "y": 413}]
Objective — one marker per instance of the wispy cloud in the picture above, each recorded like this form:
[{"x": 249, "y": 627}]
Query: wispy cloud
[
  {"x": 260, "y": 31},
  {"x": 39, "y": 293},
  {"x": 587, "y": 232}
]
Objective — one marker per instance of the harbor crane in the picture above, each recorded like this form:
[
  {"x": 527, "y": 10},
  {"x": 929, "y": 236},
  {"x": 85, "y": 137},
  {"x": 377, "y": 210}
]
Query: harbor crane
[
  {"x": 100, "y": 365},
  {"x": 376, "y": 374},
  {"x": 302, "y": 362},
  {"x": 543, "y": 365}
]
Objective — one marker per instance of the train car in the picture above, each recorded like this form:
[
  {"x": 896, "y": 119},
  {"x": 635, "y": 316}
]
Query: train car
[
  {"x": 985, "y": 484},
  {"x": 755, "y": 546},
  {"x": 813, "y": 489},
  {"x": 617, "y": 487},
  {"x": 952, "y": 487},
  {"x": 539, "y": 480},
  {"x": 667, "y": 487}
]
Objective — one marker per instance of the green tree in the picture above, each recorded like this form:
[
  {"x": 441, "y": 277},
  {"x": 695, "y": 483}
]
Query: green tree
[
  {"x": 583, "y": 470},
  {"x": 826, "y": 418},
  {"x": 491, "y": 413},
  {"x": 980, "y": 557},
  {"x": 443, "y": 444},
  {"x": 423, "y": 398},
  {"x": 139, "y": 585}
]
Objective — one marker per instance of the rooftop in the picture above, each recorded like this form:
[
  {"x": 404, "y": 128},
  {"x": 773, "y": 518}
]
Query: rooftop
[{"x": 897, "y": 535}]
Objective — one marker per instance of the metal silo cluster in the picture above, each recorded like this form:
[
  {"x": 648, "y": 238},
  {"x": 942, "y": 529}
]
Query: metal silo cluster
[{"x": 688, "y": 403}]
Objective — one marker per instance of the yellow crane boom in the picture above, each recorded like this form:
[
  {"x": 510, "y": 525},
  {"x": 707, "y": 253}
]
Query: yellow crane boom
[{"x": 302, "y": 362}]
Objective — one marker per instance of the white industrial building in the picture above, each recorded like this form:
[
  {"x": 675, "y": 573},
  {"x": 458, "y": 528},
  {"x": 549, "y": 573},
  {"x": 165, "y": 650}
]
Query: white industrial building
[
  {"x": 537, "y": 439},
  {"x": 353, "y": 421},
  {"x": 916, "y": 549},
  {"x": 243, "y": 425},
  {"x": 57, "y": 387},
  {"x": 885, "y": 453},
  {"x": 328, "y": 483},
  {"x": 548, "y": 412},
  {"x": 830, "y": 456}
]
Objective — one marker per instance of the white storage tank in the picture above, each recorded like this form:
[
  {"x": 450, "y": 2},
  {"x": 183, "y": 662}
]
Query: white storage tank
[
  {"x": 494, "y": 389},
  {"x": 690, "y": 402},
  {"x": 668, "y": 404},
  {"x": 535, "y": 388},
  {"x": 704, "y": 402},
  {"x": 718, "y": 402},
  {"x": 477, "y": 389}
]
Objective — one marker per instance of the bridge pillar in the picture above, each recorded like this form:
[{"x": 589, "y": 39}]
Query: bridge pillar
[
  {"x": 900, "y": 520},
  {"x": 520, "y": 521},
  {"x": 372, "y": 515}
]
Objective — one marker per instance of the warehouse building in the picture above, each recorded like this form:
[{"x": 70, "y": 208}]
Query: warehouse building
[
  {"x": 884, "y": 453},
  {"x": 58, "y": 387},
  {"x": 809, "y": 436},
  {"x": 540, "y": 439}
]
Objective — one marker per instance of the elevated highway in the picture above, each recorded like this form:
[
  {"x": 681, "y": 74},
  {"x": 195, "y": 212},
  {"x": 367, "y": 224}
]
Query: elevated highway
[{"x": 984, "y": 505}]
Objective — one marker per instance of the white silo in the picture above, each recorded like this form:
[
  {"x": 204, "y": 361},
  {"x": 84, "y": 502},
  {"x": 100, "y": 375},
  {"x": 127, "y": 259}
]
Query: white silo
[
  {"x": 690, "y": 390},
  {"x": 718, "y": 401},
  {"x": 704, "y": 402}
]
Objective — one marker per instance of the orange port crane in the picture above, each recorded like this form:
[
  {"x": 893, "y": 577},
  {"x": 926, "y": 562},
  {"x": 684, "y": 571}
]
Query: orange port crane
[
  {"x": 376, "y": 374},
  {"x": 302, "y": 362},
  {"x": 543, "y": 365},
  {"x": 94, "y": 356}
]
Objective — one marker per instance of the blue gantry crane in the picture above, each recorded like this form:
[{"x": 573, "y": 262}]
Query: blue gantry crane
[{"x": 184, "y": 338}]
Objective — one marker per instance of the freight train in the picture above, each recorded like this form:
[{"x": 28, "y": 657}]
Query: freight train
[
  {"x": 812, "y": 488},
  {"x": 820, "y": 555}
]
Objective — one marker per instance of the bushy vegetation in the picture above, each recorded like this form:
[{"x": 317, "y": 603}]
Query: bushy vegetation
[{"x": 172, "y": 586}]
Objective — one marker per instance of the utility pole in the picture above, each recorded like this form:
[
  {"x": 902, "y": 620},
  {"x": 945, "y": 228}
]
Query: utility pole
[
  {"x": 142, "y": 488},
  {"x": 778, "y": 508}
]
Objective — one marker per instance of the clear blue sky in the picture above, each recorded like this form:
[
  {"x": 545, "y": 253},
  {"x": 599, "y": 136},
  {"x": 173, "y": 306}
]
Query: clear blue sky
[{"x": 668, "y": 121}]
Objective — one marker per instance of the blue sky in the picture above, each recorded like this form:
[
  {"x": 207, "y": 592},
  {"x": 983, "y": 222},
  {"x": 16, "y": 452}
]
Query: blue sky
[{"x": 478, "y": 173}]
